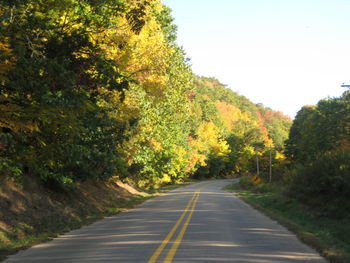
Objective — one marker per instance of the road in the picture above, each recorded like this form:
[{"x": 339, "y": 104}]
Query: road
[{"x": 198, "y": 223}]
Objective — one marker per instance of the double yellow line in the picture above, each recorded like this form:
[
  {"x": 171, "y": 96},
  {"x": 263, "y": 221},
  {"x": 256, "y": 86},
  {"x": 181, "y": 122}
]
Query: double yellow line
[{"x": 188, "y": 210}]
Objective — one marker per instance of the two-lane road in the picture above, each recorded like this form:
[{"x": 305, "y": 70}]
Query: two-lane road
[{"x": 197, "y": 223}]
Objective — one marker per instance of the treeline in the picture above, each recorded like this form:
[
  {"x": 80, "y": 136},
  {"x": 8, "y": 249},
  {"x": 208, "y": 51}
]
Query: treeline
[
  {"x": 94, "y": 89},
  {"x": 244, "y": 128},
  {"x": 318, "y": 150}
]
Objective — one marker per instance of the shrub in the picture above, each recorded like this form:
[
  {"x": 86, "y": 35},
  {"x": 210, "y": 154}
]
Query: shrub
[
  {"x": 325, "y": 183},
  {"x": 246, "y": 182}
]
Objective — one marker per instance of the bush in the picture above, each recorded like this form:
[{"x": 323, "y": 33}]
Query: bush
[
  {"x": 246, "y": 182},
  {"x": 8, "y": 169},
  {"x": 266, "y": 188},
  {"x": 325, "y": 183}
]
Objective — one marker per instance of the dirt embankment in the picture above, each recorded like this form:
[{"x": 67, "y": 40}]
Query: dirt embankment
[{"x": 30, "y": 212}]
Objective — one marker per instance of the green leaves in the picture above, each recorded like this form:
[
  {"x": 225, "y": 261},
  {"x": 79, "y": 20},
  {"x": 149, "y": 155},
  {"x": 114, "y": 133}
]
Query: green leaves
[
  {"x": 320, "y": 129},
  {"x": 50, "y": 97},
  {"x": 93, "y": 89},
  {"x": 319, "y": 150}
]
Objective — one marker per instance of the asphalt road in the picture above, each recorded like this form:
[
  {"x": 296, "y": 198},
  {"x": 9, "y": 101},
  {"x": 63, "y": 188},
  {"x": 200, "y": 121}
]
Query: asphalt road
[{"x": 197, "y": 223}]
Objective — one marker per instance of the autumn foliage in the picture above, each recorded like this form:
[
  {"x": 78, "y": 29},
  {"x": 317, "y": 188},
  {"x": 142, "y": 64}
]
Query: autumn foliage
[{"x": 94, "y": 89}]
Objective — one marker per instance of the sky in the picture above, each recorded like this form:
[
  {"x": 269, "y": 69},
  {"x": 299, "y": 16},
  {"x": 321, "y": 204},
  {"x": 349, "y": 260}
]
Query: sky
[{"x": 282, "y": 53}]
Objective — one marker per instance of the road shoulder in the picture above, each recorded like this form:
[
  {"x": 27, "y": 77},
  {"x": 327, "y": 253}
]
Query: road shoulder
[{"x": 310, "y": 228}]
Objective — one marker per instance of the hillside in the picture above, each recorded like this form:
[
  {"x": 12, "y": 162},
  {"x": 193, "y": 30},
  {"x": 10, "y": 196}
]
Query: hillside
[{"x": 31, "y": 213}]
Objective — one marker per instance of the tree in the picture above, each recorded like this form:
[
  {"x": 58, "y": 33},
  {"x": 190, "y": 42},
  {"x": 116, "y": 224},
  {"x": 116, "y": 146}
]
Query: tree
[{"x": 318, "y": 148}]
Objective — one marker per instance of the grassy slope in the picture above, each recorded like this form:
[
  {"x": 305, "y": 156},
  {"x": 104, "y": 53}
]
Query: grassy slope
[
  {"x": 30, "y": 213},
  {"x": 328, "y": 236}
]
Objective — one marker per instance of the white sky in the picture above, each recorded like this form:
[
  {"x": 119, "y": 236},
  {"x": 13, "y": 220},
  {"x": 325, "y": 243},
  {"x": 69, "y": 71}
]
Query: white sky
[{"x": 282, "y": 53}]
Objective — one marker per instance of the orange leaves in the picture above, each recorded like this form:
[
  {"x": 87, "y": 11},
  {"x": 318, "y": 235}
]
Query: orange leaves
[
  {"x": 157, "y": 146},
  {"x": 263, "y": 129},
  {"x": 195, "y": 159},
  {"x": 228, "y": 113}
]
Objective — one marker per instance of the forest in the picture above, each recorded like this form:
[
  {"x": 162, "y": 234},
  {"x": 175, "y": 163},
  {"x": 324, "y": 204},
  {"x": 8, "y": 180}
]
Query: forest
[{"x": 96, "y": 89}]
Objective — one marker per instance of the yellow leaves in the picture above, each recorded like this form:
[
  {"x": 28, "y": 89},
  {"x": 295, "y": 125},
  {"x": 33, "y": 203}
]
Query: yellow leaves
[
  {"x": 228, "y": 113},
  {"x": 7, "y": 61},
  {"x": 166, "y": 179},
  {"x": 4, "y": 45},
  {"x": 222, "y": 149},
  {"x": 148, "y": 59},
  {"x": 249, "y": 151},
  {"x": 113, "y": 96},
  {"x": 207, "y": 144},
  {"x": 195, "y": 158},
  {"x": 156, "y": 6},
  {"x": 209, "y": 141},
  {"x": 207, "y": 135},
  {"x": 157, "y": 146},
  {"x": 42, "y": 143},
  {"x": 142, "y": 59},
  {"x": 181, "y": 161},
  {"x": 130, "y": 108},
  {"x": 68, "y": 19},
  {"x": 180, "y": 152},
  {"x": 206, "y": 97},
  {"x": 280, "y": 156},
  {"x": 140, "y": 56}
]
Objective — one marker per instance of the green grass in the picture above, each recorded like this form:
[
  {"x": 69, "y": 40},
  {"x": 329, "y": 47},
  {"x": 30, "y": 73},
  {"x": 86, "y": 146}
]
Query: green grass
[{"x": 330, "y": 237}]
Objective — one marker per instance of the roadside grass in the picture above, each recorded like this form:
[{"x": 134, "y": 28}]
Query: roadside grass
[
  {"x": 330, "y": 237},
  {"x": 50, "y": 227}
]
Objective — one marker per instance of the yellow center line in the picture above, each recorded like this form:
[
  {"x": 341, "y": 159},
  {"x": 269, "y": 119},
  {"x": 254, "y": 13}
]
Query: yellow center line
[
  {"x": 172, "y": 231},
  {"x": 169, "y": 257}
]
